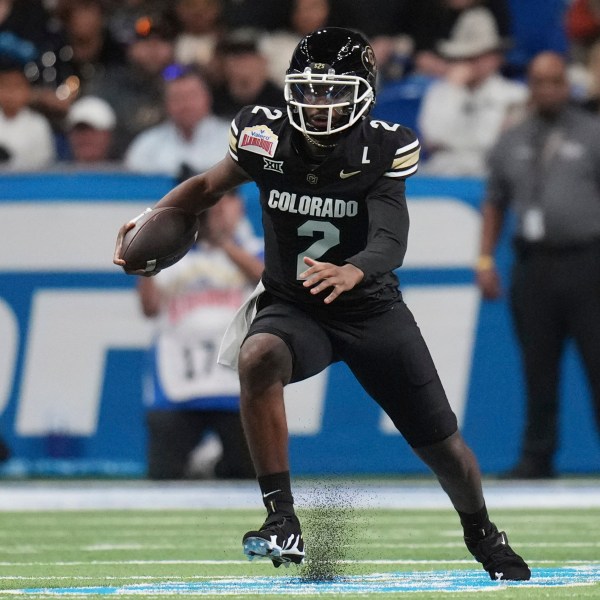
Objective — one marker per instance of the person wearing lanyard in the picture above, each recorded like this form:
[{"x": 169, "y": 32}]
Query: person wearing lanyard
[{"x": 547, "y": 170}]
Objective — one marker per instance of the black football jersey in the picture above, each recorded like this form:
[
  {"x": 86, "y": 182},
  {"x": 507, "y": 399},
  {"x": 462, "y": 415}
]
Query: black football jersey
[{"x": 350, "y": 208}]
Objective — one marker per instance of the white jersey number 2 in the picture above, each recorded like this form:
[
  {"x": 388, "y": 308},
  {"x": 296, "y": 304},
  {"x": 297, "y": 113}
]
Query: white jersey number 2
[{"x": 331, "y": 238}]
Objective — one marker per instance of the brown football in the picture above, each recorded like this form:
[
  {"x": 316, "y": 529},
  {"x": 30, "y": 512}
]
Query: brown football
[{"x": 159, "y": 239}]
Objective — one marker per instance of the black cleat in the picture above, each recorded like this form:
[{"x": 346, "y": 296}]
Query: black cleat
[
  {"x": 279, "y": 539},
  {"x": 498, "y": 558}
]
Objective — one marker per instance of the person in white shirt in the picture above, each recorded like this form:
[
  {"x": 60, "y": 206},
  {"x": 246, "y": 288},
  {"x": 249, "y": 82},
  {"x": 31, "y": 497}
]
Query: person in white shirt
[
  {"x": 201, "y": 26},
  {"x": 90, "y": 125},
  {"x": 464, "y": 112},
  {"x": 190, "y": 399},
  {"x": 192, "y": 138},
  {"x": 277, "y": 46},
  {"x": 26, "y": 138}
]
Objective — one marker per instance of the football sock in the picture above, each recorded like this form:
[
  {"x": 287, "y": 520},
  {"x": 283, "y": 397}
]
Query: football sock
[
  {"x": 477, "y": 525},
  {"x": 277, "y": 493}
]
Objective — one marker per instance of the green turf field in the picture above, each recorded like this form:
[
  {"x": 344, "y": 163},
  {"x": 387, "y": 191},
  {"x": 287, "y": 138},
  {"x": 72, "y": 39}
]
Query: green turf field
[{"x": 350, "y": 554}]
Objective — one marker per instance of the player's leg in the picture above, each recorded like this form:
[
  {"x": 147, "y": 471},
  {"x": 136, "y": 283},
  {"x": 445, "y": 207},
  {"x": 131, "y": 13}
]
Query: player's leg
[
  {"x": 394, "y": 366},
  {"x": 283, "y": 345},
  {"x": 265, "y": 367},
  {"x": 457, "y": 470}
]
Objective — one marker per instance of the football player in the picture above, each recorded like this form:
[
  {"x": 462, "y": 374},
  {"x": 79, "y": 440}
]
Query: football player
[{"x": 332, "y": 191}]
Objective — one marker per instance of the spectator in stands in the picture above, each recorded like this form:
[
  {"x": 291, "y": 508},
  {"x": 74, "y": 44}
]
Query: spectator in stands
[
  {"x": 384, "y": 22},
  {"x": 201, "y": 27},
  {"x": 135, "y": 90},
  {"x": 591, "y": 98},
  {"x": 191, "y": 139},
  {"x": 462, "y": 114},
  {"x": 266, "y": 15},
  {"x": 31, "y": 34},
  {"x": 546, "y": 171},
  {"x": 94, "y": 49},
  {"x": 90, "y": 124},
  {"x": 245, "y": 76},
  {"x": 374, "y": 18},
  {"x": 583, "y": 27},
  {"x": 123, "y": 14},
  {"x": 26, "y": 140},
  {"x": 429, "y": 22},
  {"x": 582, "y": 21},
  {"x": 190, "y": 394},
  {"x": 278, "y": 46}
]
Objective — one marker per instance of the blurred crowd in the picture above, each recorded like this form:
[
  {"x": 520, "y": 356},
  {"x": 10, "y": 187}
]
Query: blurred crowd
[{"x": 151, "y": 85}]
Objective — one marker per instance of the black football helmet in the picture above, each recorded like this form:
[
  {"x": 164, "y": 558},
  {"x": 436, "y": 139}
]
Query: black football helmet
[{"x": 332, "y": 69}]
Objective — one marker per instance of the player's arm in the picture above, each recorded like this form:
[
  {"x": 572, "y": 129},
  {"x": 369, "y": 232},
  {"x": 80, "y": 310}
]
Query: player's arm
[
  {"x": 194, "y": 195},
  {"x": 388, "y": 214},
  {"x": 202, "y": 191},
  {"x": 384, "y": 251},
  {"x": 388, "y": 230}
]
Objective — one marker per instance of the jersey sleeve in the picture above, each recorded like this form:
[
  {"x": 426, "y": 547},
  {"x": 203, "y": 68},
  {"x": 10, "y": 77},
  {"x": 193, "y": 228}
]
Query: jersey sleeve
[
  {"x": 406, "y": 156},
  {"x": 388, "y": 226},
  {"x": 239, "y": 122},
  {"x": 388, "y": 230},
  {"x": 253, "y": 135},
  {"x": 234, "y": 131}
]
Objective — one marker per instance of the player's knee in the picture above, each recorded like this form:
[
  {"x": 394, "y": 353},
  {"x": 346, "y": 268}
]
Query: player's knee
[{"x": 265, "y": 359}]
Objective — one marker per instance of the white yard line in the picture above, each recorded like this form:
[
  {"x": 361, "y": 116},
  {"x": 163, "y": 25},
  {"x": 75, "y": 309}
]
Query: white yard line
[
  {"x": 262, "y": 563},
  {"x": 101, "y": 495}
]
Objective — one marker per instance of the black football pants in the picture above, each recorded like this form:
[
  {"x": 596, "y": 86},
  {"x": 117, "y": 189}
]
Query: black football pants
[{"x": 385, "y": 351}]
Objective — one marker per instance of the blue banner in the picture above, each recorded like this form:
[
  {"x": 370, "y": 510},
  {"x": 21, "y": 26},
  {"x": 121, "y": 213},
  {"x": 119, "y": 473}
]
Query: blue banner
[{"x": 74, "y": 339}]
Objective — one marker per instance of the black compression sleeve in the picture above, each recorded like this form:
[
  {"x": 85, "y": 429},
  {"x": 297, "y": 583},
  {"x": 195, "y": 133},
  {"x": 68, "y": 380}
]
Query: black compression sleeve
[{"x": 388, "y": 229}]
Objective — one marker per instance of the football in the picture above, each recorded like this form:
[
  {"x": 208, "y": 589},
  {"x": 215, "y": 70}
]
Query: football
[{"x": 160, "y": 238}]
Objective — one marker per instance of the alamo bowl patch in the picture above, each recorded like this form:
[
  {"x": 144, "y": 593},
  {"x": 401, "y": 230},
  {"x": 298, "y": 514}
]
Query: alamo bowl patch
[{"x": 259, "y": 139}]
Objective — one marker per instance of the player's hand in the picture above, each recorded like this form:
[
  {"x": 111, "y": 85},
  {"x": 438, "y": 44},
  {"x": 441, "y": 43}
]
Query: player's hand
[
  {"x": 117, "y": 260},
  {"x": 321, "y": 276},
  {"x": 119, "y": 244},
  {"x": 489, "y": 284}
]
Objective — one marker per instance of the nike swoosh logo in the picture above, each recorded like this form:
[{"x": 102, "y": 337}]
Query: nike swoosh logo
[
  {"x": 346, "y": 175},
  {"x": 270, "y": 493}
]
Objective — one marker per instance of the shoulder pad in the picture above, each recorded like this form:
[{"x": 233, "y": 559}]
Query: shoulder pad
[
  {"x": 255, "y": 128},
  {"x": 404, "y": 144}
]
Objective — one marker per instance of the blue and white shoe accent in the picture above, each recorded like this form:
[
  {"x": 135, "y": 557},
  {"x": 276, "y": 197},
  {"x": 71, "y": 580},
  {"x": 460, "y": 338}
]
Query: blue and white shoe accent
[{"x": 280, "y": 539}]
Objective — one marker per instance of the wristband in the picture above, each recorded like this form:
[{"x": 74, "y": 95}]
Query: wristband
[{"x": 485, "y": 262}]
